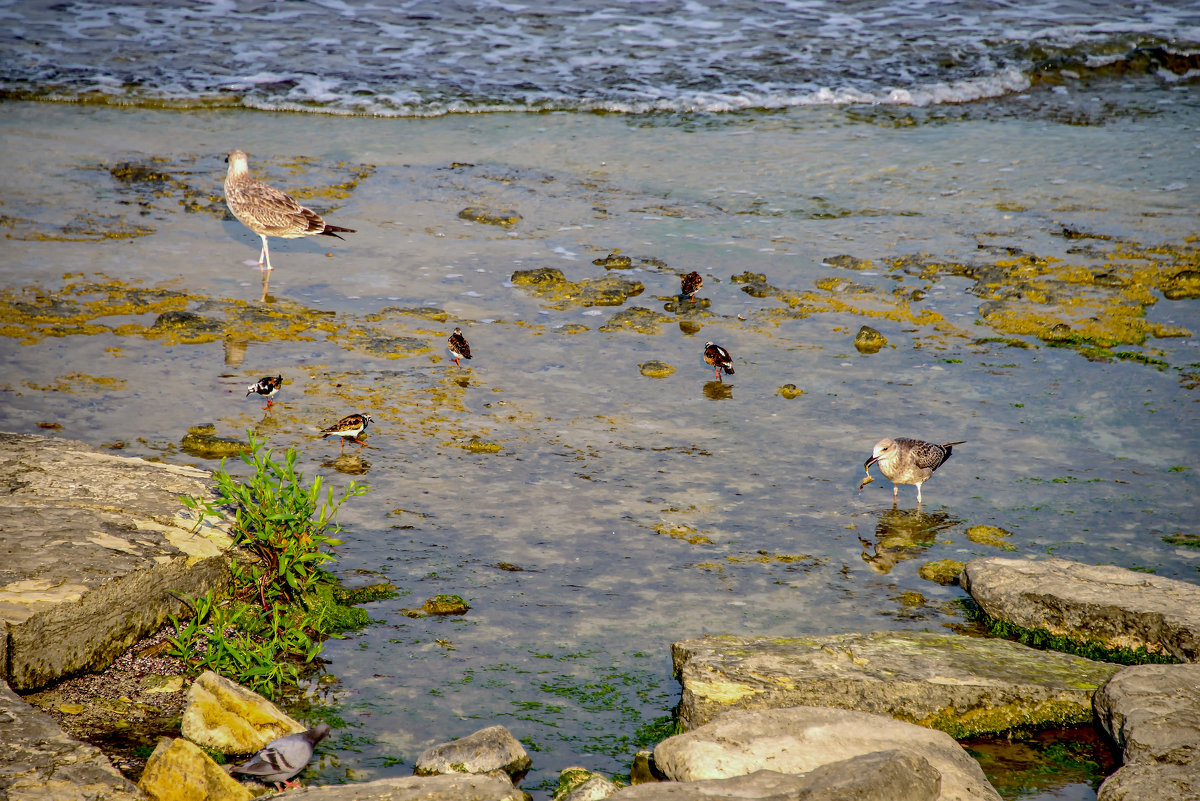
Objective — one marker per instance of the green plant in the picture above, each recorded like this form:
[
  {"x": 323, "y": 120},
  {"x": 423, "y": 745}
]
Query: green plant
[{"x": 282, "y": 603}]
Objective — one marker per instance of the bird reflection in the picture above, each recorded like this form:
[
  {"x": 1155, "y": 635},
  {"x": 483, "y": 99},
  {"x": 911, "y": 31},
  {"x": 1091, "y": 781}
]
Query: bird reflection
[
  {"x": 349, "y": 463},
  {"x": 235, "y": 352},
  {"x": 900, "y": 534},
  {"x": 718, "y": 390}
]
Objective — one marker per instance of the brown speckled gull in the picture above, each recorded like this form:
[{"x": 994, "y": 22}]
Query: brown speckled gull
[
  {"x": 267, "y": 211},
  {"x": 908, "y": 461}
]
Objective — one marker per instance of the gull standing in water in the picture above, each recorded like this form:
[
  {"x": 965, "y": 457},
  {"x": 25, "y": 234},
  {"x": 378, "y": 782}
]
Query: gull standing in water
[
  {"x": 907, "y": 461},
  {"x": 267, "y": 211}
]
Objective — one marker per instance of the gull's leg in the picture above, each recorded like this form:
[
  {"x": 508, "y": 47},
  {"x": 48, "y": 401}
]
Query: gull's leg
[{"x": 266, "y": 254}]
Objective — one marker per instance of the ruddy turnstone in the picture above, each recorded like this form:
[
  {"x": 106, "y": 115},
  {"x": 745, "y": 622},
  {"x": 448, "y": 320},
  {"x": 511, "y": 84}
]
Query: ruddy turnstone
[
  {"x": 349, "y": 427},
  {"x": 690, "y": 284},
  {"x": 719, "y": 358},
  {"x": 267, "y": 211},
  {"x": 908, "y": 461},
  {"x": 459, "y": 347},
  {"x": 283, "y": 758},
  {"x": 267, "y": 386}
]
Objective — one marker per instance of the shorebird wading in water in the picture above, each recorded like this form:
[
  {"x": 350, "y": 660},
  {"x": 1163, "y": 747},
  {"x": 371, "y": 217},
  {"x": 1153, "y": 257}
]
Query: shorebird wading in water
[
  {"x": 458, "y": 346},
  {"x": 267, "y": 211},
  {"x": 719, "y": 358},
  {"x": 908, "y": 461}
]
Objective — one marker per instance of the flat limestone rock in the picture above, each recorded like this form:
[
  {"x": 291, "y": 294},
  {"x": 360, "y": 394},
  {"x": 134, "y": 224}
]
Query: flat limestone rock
[
  {"x": 493, "y": 748},
  {"x": 964, "y": 686},
  {"x": 96, "y": 546},
  {"x": 878, "y": 776},
  {"x": 1117, "y": 607},
  {"x": 227, "y": 717},
  {"x": 801, "y": 739},
  {"x": 39, "y": 762},
  {"x": 1152, "y": 712},
  {"x": 455, "y": 787}
]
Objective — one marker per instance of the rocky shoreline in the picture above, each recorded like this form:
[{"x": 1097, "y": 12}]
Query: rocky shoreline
[{"x": 99, "y": 547}]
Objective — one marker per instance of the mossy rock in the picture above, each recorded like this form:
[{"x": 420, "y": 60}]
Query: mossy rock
[
  {"x": 790, "y": 391},
  {"x": 502, "y": 217},
  {"x": 131, "y": 172},
  {"x": 186, "y": 323},
  {"x": 991, "y": 535},
  {"x": 636, "y": 318},
  {"x": 445, "y": 605},
  {"x": 1182, "y": 285},
  {"x": 748, "y": 277},
  {"x": 202, "y": 442},
  {"x": 656, "y": 369},
  {"x": 476, "y": 445},
  {"x": 614, "y": 262},
  {"x": 942, "y": 571},
  {"x": 868, "y": 340},
  {"x": 539, "y": 277}
]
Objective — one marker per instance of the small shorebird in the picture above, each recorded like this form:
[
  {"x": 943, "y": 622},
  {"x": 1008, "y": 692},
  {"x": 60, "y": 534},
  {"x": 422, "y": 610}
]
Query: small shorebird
[
  {"x": 719, "y": 358},
  {"x": 908, "y": 461},
  {"x": 283, "y": 758},
  {"x": 459, "y": 347},
  {"x": 267, "y": 211},
  {"x": 349, "y": 427},
  {"x": 267, "y": 386},
  {"x": 690, "y": 284}
]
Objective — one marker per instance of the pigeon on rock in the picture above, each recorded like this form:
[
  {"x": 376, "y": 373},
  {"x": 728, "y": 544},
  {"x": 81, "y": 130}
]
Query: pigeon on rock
[{"x": 283, "y": 758}]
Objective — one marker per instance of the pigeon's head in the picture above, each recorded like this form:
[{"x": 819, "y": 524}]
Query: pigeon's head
[{"x": 318, "y": 733}]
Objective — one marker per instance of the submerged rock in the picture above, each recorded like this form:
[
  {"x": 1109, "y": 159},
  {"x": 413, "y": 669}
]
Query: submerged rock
[
  {"x": 187, "y": 323},
  {"x": 484, "y": 751},
  {"x": 180, "y": 771},
  {"x": 1112, "y": 606},
  {"x": 227, "y": 717},
  {"x": 1183, "y": 285},
  {"x": 502, "y": 217},
  {"x": 440, "y": 605},
  {"x": 203, "y": 443},
  {"x": 636, "y": 318},
  {"x": 614, "y": 262},
  {"x": 964, "y": 686},
  {"x": 803, "y": 738},
  {"x": 656, "y": 369},
  {"x": 941, "y": 571},
  {"x": 868, "y": 340}
]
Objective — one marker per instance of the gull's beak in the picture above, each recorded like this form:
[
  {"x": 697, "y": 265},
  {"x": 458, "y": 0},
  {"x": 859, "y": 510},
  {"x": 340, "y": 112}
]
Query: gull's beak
[{"x": 867, "y": 464}]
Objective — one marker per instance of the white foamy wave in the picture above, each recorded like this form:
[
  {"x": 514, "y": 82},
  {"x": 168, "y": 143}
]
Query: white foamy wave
[{"x": 436, "y": 57}]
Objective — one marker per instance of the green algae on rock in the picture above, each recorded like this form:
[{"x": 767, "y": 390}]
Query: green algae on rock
[
  {"x": 990, "y": 535},
  {"x": 942, "y": 571},
  {"x": 656, "y": 369},
  {"x": 440, "y": 605},
  {"x": 477, "y": 445},
  {"x": 551, "y": 285},
  {"x": 790, "y": 391},
  {"x": 502, "y": 217},
  {"x": 614, "y": 262},
  {"x": 868, "y": 340},
  {"x": 636, "y": 318},
  {"x": 202, "y": 442}
]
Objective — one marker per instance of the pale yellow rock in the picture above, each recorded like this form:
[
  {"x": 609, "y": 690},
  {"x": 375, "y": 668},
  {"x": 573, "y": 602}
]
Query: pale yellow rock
[
  {"x": 71, "y": 709},
  {"x": 180, "y": 771},
  {"x": 227, "y": 717}
]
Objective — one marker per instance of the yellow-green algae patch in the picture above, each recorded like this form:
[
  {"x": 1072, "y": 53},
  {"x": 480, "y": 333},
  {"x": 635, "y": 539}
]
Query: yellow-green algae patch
[
  {"x": 166, "y": 315},
  {"x": 682, "y": 531},
  {"x": 990, "y": 535},
  {"x": 476, "y": 445},
  {"x": 656, "y": 369},
  {"x": 79, "y": 382},
  {"x": 942, "y": 571},
  {"x": 549, "y": 284},
  {"x": 790, "y": 391}
]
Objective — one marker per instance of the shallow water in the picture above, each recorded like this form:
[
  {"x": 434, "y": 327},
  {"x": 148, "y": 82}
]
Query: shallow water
[{"x": 639, "y": 511}]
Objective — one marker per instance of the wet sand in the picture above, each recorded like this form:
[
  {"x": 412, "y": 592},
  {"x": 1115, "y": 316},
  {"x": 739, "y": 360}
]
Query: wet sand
[{"x": 638, "y": 510}]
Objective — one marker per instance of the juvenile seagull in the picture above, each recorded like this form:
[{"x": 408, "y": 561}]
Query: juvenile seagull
[
  {"x": 459, "y": 347},
  {"x": 267, "y": 386},
  {"x": 690, "y": 284},
  {"x": 349, "y": 427},
  {"x": 267, "y": 211},
  {"x": 283, "y": 757},
  {"x": 719, "y": 358},
  {"x": 908, "y": 461}
]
